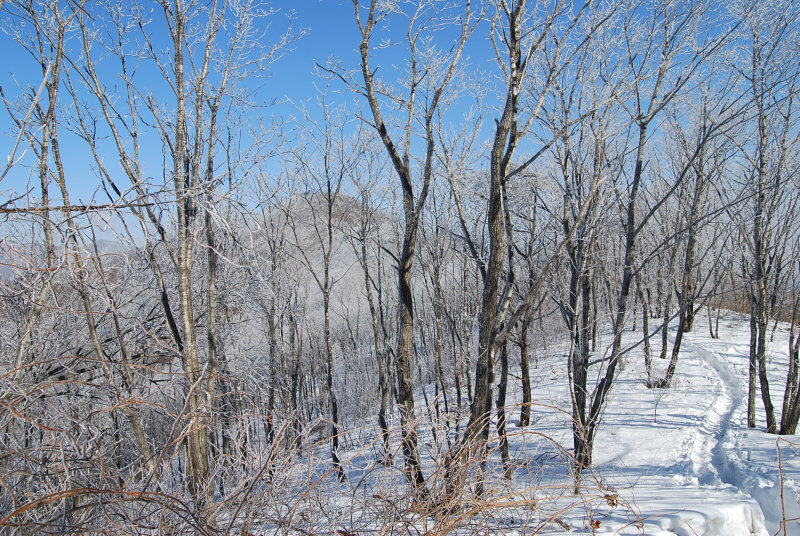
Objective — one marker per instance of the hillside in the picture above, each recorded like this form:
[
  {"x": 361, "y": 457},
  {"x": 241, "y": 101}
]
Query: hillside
[{"x": 667, "y": 462}]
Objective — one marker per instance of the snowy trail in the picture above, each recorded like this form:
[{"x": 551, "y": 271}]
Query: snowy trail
[
  {"x": 708, "y": 454},
  {"x": 683, "y": 458},
  {"x": 747, "y": 459},
  {"x": 723, "y": 509},
  {"x": 686, "y": 482}
]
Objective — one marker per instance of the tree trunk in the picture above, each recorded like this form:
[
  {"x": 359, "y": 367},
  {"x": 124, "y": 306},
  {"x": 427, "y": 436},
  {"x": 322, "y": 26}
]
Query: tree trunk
[
  {"x": 383, "y": 380},
  {"x": 525, "y": 411},
  {"x": 437, "y": 346},
  {"x": 503, "y": 148},
  {"x": 326, "y": 297},
  {"x": 584, "y": 454},
  {"x": 648, "y": 359},
  {"x": 769, "y": 408},
  {"x": 405, "y": 355},
  {"x": 752, "y": 369},
  {"x": 790, "y": 413},
  {"x": 502, "y": 387},
  {"x": 686, "y": 298},
  {"x": 197, "y": 436}
]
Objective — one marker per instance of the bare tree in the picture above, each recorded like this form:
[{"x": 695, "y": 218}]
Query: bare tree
[
  {"x": 539, "y": 38},
  {"x": 662, "y": 60},
  {"x": 707, "y": 150},
  {"x": 365, "y": 238},
  {"x": 202, "y": 69},
  {"x": 774, "y": 78},
  {"x": 426, "y": 86},
  {"x": 790, "y": 414},
  {"x": 332, "y": 157}
]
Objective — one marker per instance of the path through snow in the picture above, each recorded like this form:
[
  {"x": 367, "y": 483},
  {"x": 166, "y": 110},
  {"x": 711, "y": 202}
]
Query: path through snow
[
  {"x": 678, "y": 470},
  {"x": 709, "y": 456},
  {"x": 744, "y": 458}
]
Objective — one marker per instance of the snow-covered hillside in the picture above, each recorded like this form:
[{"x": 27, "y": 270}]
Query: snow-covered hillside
[
  {"x": 667, "y": 462},
  {"x": 683, "y": 458}
]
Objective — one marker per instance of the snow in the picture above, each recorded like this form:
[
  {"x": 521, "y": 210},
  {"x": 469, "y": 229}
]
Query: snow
[
  {"x": 678, "y": 461},
  {"x": 748, "y": 458},
  {"x": 684, "y": 459}
]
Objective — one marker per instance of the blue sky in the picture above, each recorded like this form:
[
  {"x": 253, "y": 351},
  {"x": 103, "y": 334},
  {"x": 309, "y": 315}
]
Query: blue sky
[{"x": 329, "y": 29}]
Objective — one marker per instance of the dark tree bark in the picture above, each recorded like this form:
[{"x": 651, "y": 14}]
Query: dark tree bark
[
  {"x": 525, "y": 410},
  {"x": 413, "y": 203}
]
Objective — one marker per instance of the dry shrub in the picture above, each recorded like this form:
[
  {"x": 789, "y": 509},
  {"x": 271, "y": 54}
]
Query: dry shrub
[{"x": 68, "y": 464}]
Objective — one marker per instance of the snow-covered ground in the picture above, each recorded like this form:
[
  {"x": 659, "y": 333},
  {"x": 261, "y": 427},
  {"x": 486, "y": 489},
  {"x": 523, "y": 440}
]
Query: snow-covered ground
[
  {"x": 683, "y": 458},
  {"x": 676, "y": 461}
]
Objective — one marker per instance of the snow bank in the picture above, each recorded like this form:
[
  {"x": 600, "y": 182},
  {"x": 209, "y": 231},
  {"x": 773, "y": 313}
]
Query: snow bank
[{"x": 714, "y": 516}]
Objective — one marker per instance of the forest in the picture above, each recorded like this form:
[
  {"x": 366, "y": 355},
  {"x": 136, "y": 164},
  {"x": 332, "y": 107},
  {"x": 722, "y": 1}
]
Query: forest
[{"x": 226, "y": 310}]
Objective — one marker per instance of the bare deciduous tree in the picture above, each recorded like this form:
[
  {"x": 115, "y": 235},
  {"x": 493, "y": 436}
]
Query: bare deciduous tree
[
  {"x": 774, "y": 80},
  {"x": 428, "y": 79}
]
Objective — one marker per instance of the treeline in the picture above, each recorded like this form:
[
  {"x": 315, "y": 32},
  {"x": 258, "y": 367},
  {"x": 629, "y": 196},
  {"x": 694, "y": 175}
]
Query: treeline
[{"x": 243, "y": 293}]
